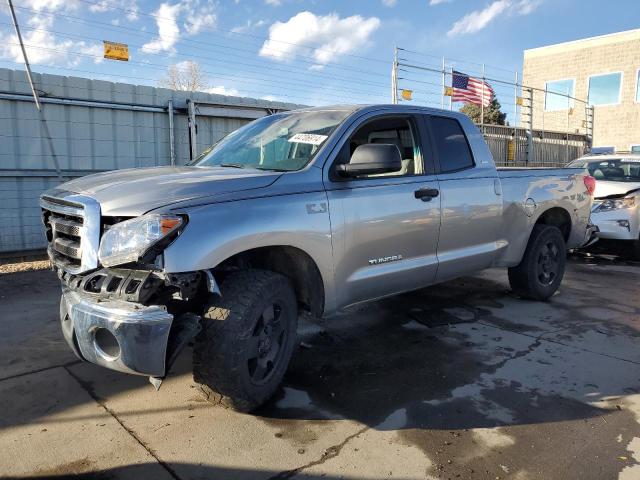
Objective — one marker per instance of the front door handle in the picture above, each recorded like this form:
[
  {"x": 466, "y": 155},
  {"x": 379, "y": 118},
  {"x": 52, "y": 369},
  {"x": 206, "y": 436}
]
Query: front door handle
[{"x": 426, "y": 194}]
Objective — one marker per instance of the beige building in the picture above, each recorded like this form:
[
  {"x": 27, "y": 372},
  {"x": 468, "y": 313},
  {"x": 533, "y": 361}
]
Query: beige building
[{"x": 601, "y": 71}]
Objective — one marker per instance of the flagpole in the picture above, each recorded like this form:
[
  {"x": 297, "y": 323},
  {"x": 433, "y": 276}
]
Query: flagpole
[
  {"x": 394, "y": 77},
  {"x": 451, "y": 96},
  {"x": 444, "y": 81},
  {"x": 515, "y": 102},
  {"x": 482, "y": 102}
]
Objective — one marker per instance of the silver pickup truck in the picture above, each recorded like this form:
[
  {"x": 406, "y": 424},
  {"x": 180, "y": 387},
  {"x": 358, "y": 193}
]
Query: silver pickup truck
[{"x": 312, "y": 210}]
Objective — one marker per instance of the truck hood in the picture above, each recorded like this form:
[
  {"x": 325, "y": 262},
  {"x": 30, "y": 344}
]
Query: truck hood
[
  {"x": 135, "y": 191},
  {"x": 606, "y": 188}
]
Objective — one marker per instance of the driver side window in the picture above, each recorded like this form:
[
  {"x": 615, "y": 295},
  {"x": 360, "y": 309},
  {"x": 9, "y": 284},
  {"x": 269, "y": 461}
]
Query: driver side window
[{"x": 398, "y": 131}]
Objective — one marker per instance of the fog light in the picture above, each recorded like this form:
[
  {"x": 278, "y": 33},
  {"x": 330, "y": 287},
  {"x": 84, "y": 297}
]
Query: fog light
[
  {"x": 106, "y": 343},
  {"x": 624, "y": 224}
]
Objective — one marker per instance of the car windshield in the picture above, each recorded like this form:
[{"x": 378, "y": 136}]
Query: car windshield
[
  {"x": 615, "y": 170},
  {"x": 281, "y": 142}
]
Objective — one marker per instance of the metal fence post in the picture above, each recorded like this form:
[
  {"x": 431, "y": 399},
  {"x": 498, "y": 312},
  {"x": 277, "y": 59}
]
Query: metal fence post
[
  {"x": 193, "y": 147},
  {"x": 172, "y": 149},
  {"x": 530, "y": 129}
]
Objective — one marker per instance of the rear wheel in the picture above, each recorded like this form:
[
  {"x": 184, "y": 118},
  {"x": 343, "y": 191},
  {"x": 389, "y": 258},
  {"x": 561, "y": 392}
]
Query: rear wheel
[
  {"x": 248, "y": 336},
  {"x": 540, "y": 272},
  {"x": 635, "y": 250}
]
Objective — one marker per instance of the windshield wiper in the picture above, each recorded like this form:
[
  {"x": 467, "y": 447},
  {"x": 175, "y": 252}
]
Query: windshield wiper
[
  {"x": 233, "y": 165},
  {"x": 272, "y": 169}
]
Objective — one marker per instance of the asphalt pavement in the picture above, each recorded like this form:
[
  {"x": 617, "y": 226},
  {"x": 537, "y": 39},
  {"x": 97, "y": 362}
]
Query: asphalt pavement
[{"x": 460, "y": 380}]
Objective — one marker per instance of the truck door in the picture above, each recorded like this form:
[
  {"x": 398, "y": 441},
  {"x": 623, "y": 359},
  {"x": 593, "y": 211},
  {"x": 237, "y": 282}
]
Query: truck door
[
  {"x": 471, "y": 215},
  {"x": 384, "y": 226}
]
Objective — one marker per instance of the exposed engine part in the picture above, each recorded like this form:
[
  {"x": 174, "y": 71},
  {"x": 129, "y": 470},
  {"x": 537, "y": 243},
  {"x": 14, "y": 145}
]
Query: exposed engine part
[
  {"x": 187, "y": 283},
  {"x": 130, "y": 285}
]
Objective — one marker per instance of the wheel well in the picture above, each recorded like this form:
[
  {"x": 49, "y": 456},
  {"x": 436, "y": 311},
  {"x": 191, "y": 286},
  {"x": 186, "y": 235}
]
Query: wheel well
[
  {"x": 291, "y": 262},
  {"x": 557, "y": 217}
]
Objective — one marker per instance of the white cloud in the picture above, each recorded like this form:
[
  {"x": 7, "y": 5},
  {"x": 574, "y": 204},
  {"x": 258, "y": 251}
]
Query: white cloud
[
  {"x": 389, "y": 3},
  {"x": 438, "y": 2},
  {"x": 197, "y": 17},
  {"x": 273, "y": 3},
  {"x": 168, "y": 30},
  {"x": 43, "y": 47},
  {"x": 479, "y": 19},
  {"x": 330, "y": 35},
  {"x": 248, "y": 26},
  {"x": 130, "y": 6},
  {"x": 51, "y": 5},
  {"x": 222, "y": 90}
]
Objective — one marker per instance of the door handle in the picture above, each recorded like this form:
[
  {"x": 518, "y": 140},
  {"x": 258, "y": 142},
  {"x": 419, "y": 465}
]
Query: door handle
[{"x": 426, "y": 194}]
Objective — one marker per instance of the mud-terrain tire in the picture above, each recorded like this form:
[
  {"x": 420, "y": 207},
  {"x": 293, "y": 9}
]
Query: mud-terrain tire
[
  {"x": 247, "y": 338},
  {"x": 540, "y": 272},
  {"x": 635, "y": 250}
]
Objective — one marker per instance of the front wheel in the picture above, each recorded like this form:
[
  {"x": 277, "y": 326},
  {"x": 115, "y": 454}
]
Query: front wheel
[
  {"x": 247, "y": 338},
  {"x": 540, "y": 272}
]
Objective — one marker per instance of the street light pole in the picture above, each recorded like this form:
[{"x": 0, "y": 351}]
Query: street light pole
[{"x": 36, "y": 99}]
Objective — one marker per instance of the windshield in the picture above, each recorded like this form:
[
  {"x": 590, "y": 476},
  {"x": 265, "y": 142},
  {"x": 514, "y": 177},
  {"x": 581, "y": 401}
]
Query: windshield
[
  {"x": 282, "y": 142},
  {"x": 614, "y": 170}
]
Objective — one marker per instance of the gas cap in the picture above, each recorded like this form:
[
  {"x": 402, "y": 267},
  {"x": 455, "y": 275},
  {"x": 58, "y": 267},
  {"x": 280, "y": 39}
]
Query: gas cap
[{"x": 530, "y": 206}]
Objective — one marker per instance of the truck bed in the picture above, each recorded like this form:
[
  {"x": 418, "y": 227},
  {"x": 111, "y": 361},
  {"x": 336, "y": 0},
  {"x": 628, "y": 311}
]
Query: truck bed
[{"x": 510, "y": 172}]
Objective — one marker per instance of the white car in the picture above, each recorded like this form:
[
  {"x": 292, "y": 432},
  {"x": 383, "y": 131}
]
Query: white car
[{"x": 616, "y": 206}]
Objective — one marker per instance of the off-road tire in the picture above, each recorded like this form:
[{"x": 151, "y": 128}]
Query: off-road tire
[
  {"x": 220, "y": 355},
  {"x": 536, "y": 278},
  {"x": 635, "y": 250}
]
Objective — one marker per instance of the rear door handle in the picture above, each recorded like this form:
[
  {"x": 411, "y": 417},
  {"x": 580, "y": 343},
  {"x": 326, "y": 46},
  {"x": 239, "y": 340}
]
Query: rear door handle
[{"x": 426, "y": 194}]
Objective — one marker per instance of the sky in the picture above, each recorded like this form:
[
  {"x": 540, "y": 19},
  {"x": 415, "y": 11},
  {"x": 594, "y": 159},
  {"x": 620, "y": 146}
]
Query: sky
[{"x": 305, "y": 52}]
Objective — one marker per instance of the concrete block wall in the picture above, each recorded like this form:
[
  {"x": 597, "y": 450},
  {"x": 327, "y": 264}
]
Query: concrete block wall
[{"x": 615, "y": 125}]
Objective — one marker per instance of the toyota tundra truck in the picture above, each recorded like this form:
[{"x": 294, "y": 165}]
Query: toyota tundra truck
[{"x": 310, "y": 211}]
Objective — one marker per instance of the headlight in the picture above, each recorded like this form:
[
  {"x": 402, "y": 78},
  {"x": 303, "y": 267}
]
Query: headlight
[
  {"x": 616, "y": 204},
  {"x": 128, "y": 241}
]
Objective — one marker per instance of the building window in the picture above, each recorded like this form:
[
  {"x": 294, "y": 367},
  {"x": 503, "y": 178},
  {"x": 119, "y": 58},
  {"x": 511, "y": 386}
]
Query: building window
[
  {"x": 558, "y": 95},
  {"x": 635, "y": 148},
  {"x": 605, "y": 89}
]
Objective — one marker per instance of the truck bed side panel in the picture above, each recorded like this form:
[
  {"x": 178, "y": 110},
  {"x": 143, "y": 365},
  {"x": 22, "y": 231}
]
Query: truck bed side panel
[{"x": 528, "y": 194}]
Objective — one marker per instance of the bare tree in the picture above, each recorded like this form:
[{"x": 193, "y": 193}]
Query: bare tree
[{"x": 187, "y": 76}]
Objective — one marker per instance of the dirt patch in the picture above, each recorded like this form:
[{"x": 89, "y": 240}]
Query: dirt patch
[{"x": 24, "y": 267}]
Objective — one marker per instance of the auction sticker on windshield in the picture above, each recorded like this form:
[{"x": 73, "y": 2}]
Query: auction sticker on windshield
[{"x": 310, "y": 138}]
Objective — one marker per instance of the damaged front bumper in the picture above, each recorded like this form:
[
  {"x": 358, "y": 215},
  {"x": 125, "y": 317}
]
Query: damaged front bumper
[
  {"x": 116, "y": 334},
  {"x": 591, "y": 235}
]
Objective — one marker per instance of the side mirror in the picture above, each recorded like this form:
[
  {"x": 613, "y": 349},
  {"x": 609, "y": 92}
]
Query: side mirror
[{"x": 372, "y": 159}]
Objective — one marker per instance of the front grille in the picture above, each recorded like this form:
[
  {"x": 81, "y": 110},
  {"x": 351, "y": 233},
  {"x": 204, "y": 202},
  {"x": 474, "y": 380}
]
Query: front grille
[{"x": 72, "y": 224}]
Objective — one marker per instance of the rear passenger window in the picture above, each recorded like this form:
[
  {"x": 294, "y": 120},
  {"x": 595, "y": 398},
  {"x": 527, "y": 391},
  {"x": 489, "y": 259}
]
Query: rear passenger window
[{"x": 451, "y": 143}]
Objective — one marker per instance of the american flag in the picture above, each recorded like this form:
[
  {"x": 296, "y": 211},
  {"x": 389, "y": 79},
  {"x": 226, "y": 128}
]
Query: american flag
[{"x": 469, "y": 89}]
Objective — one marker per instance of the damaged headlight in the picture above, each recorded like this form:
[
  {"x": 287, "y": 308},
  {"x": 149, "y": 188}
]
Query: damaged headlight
[
  {"x": 128, "y": 241},
  {"x": 615, "y": 204}
]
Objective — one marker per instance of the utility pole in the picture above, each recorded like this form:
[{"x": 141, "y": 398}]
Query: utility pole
[
  {"x": 482, "y": 102},
  {"x": 36, "y": 99},
  {"x": 394, "y": 77},
  {"x": 444, "y": 81}
]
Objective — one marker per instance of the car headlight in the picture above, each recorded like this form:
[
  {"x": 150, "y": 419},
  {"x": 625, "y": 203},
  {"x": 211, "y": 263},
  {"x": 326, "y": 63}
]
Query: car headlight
[
  {"x": 616, "y": 204},
  {"x": 128, "y": 241}
]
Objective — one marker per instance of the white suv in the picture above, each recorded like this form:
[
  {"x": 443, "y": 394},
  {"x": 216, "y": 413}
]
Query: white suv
[{"x": 616, "y": 207}]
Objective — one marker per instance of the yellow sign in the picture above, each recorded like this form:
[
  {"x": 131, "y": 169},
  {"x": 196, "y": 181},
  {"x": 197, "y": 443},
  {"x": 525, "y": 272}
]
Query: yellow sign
[
  {"x": 116, "y": 51},
  {"x": 448, "y": 92},
  {"x": 519, "y": 101},
  {"x": 511, "y": 151},
  {"x": 406, "y": 94}
]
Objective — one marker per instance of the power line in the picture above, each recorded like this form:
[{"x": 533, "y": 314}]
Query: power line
[
  {"x": 186, "y": 40},
  {"x": 261, "y": 37}
]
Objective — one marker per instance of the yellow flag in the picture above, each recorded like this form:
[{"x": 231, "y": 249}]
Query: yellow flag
[
  {"x": 448, "y": 92},
  {"x": 407, "y": 94},
  {"x": 519, "y": 101},
  {"x": 116, "y": 51}
]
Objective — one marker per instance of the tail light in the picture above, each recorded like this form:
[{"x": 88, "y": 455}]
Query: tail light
[{"x": 590, "y": 183}]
